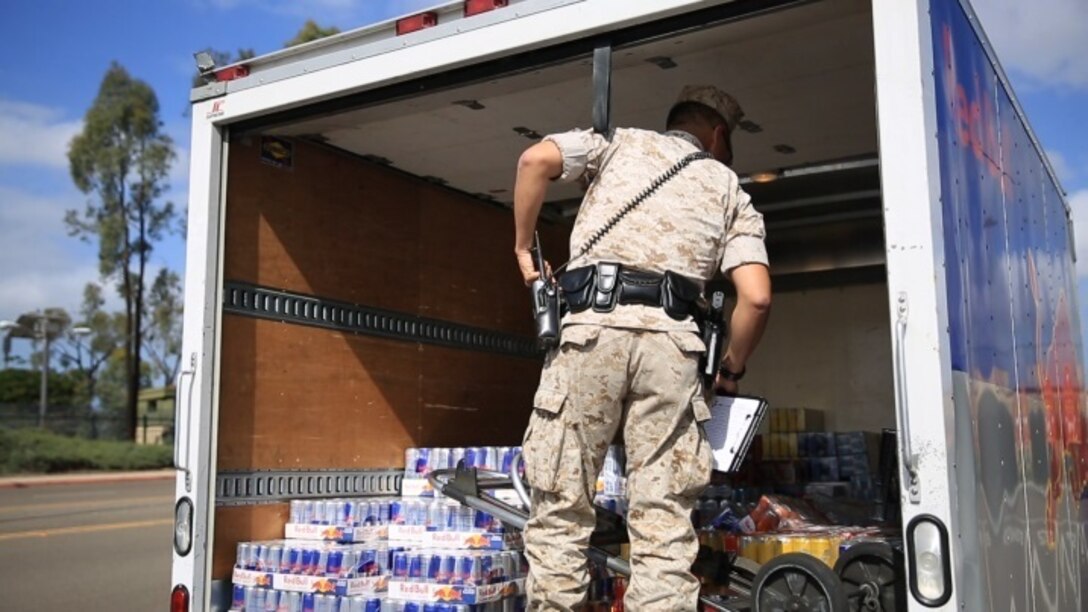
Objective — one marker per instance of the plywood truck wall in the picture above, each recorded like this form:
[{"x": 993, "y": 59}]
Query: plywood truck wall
[{"x": 302, "y": 397}]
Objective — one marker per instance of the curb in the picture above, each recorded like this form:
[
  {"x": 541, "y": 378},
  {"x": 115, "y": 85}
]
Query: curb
[{"x": 23, "y": 482}]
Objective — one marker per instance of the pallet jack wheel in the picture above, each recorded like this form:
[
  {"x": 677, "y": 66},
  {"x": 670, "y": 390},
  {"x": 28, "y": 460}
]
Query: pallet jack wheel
[
  {"x": 797, "y": 582},
  {"x": 872, "y": 574}
]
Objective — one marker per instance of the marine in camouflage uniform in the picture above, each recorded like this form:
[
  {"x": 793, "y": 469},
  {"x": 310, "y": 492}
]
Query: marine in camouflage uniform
[{"x": 634, "y": 367}]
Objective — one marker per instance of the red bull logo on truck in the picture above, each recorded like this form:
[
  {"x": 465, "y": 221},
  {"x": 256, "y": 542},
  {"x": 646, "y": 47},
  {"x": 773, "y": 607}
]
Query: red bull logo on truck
[{"x": 1014, "y": 335}]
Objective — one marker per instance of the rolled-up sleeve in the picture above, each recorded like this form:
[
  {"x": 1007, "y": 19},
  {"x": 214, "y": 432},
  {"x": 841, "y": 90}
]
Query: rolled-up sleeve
[
  {"x": 581, "y": 151},
  {"x": 744, "y": 233}
]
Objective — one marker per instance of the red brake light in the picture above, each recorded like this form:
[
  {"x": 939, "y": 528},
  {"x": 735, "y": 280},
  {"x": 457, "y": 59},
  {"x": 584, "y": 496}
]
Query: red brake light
[
  {"x": 416, "y": 22},
  {"x": 475, "y": 7},
  {"x": 179, "y": 599}
]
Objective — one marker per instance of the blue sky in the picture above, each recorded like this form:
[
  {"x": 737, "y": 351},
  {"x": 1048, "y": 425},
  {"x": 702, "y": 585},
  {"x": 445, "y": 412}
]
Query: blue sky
[{"x": 53, "y": 54}]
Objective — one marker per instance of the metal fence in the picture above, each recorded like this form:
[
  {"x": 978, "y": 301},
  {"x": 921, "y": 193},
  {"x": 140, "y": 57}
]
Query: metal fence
[{"x": 84, "y": 423}]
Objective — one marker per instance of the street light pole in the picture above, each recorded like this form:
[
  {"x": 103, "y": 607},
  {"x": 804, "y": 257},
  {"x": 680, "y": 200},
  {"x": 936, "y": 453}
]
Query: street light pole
[{"x": 43, "y": 329}]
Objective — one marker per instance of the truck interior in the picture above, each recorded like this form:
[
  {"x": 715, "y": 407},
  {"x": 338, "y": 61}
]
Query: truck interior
[{"x": 400, "y": 204}]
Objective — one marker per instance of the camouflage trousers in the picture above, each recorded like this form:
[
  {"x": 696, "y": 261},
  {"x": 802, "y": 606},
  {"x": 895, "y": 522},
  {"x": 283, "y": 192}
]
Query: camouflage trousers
[{"x": 599, "y": 380}]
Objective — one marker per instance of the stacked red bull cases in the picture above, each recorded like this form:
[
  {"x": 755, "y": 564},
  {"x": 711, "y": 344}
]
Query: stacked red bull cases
[{"x": 446, "y": 554}]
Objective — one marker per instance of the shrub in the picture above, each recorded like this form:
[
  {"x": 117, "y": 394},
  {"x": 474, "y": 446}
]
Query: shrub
[{"x": 37, "y": 451}]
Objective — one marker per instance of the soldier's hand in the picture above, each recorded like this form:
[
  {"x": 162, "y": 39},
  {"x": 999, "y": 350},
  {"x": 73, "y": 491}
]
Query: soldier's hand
[
  {"x": 725, "y": 387},
  {"x": 528, "y": 268}
]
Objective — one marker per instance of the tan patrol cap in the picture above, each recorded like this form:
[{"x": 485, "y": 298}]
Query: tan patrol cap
[{"x": 711, "y": 96}]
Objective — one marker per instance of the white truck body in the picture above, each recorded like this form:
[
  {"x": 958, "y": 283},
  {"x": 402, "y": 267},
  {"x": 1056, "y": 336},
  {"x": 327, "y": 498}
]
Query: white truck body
[{"x": 921, "y": 246}]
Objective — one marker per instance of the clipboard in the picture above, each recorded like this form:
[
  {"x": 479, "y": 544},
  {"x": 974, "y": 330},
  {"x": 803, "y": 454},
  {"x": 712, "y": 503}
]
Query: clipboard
[{"x": 734, "y": 421}]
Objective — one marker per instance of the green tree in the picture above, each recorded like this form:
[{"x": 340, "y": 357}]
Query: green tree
[
  {"x": 88, "y": 355},
  {"x": 122, "y": 158},
  {"x": 311, "y": 31},
  {"x": 163, "y": 333}
]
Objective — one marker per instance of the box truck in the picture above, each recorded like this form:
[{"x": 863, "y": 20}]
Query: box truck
[{"x": 350, "y": 289}]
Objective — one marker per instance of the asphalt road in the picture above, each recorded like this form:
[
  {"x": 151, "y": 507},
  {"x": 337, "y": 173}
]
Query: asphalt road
[{"x": 102, "y": 546}]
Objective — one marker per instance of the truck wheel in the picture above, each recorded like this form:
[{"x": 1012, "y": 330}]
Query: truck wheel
[
  {"x": 797, "y": 582},
  {"x": 872, "y": 575}
]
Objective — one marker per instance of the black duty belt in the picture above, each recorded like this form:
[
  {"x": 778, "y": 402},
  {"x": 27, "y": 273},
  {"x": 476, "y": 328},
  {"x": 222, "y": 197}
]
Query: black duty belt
[{"x": 604, "y": 285}]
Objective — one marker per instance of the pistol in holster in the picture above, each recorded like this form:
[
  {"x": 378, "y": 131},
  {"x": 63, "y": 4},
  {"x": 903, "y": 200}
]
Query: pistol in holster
[{"x": 712, "y": 328}]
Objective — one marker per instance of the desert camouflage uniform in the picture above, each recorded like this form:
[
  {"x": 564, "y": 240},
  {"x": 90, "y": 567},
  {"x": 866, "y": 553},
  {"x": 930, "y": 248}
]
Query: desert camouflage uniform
[{"x": 634, "y": 367}]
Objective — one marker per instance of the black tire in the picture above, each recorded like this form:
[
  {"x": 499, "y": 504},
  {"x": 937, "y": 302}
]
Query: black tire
[
  {"x": 797, "y": 582},
  {"x": 872, "y": 576}
]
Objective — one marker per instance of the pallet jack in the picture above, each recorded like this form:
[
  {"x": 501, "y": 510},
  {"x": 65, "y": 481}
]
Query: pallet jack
[{"x": 868, "y": 577}]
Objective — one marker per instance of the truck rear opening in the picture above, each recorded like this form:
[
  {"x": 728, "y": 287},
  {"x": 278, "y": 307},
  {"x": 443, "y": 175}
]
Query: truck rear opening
[{"x": 401, "y": 206}]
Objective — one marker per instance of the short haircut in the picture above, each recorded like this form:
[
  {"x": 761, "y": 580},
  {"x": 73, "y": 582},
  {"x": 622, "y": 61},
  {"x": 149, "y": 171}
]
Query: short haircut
[{"x": 686, "y": 113}]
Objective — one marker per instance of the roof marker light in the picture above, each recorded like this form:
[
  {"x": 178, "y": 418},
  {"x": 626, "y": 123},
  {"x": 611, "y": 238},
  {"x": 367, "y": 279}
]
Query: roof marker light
[
  {"x": 416, "y": 23},
  {"x": 475, "y": 7}
]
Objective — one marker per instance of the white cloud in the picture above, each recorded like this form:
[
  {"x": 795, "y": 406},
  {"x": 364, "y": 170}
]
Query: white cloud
[
  {"x": 42, "y": 266},
  {"x": 32, "y": 134},
  {"x": 1061, "y": 166},
  {"x": 1078, "y": 202},
  {"x": 1046, "y": 40}
]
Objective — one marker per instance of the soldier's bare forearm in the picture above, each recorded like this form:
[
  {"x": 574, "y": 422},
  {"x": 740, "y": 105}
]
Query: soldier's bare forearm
[
  {"x": 538, "y": 165},
  {"x": 749, "y": 319}
]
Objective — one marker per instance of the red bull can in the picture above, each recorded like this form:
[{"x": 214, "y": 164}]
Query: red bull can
[
  {"x": 243, "y": 555},
  {"x": 290, "y": 602},
  {"x": 326, "y": 603},
  {"x": 430, "y": 607},
  {"x": 415, "y": 567},
  {"x": 319, "y": 512},
  {"x": 411, "y": 459},
  {"x": 238, "y": 597},
  {"x": 411, "y": 606},
  {"x": 469, "y": 571},
  {"x": 447, "y": 569},
  {"x": 273, "y": 558},
  {"x": 456, "y": 456},
  {"x": 271, "y": 601},
  {"x": 401, "y": 565},
  {"x": 308, "y": 602},
  {"x": 398, "y": 512},
  {"x": 291, "y": 562},
  {"x": 369, "y": 562}
]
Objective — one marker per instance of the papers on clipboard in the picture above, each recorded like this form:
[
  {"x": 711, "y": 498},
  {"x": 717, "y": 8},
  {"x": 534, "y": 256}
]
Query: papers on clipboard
[{"x": 733, "y": 423}]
